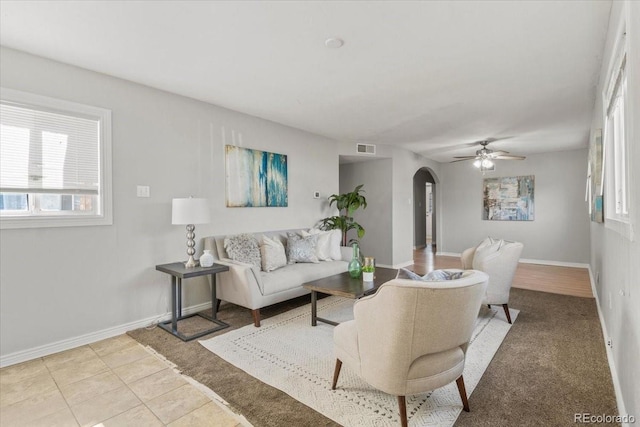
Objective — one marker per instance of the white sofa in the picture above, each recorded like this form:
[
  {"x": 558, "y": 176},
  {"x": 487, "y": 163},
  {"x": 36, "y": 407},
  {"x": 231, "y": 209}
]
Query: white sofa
[{"x": 247, "y": 286}]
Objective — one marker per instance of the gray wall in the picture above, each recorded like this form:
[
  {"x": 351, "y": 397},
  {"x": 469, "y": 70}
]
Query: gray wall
[
  {"x": 376, "y": 218},
  {"x": 405, "y": 165},
  {"x": 65, "y": 285},
  {"x": 615, "y": 260},
  {"x": 560, "y": 231}
]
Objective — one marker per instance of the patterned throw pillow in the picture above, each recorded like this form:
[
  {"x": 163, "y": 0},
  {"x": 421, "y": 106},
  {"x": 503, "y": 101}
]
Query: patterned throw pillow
[
  {"x": 272, "y": 254},
  {"x": 435, "y": 275},
  {"x": 243, "y": 248},
  {"x": 301, "y": 249}
]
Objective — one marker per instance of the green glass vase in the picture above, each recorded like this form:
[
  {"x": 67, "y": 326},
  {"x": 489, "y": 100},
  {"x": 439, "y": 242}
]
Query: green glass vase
[{"x": 355, "y": 266}]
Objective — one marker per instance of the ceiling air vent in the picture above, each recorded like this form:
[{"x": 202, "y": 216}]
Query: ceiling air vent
[{"x": 366, "y": 149}]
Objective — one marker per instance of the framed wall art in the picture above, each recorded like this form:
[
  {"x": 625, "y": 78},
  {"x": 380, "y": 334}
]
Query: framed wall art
[
  {"x": 508, "y": 198},
  {"x": 595, "y": 178},
  {"x": 255, "y": 178}
]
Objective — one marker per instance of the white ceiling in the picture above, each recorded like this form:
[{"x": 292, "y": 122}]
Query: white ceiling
[{"x": 428, "y": 76}]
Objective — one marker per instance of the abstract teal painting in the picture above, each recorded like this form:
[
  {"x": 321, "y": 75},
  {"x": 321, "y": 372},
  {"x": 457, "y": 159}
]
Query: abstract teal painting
[{"x": 255, "y": 178}]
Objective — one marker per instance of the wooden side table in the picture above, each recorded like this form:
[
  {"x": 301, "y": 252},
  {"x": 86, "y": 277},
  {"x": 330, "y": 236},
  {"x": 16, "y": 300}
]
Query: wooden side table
[{"x": 178, "y": 272}]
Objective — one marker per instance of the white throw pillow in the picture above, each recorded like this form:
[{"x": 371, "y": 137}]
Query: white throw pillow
[
  {"x": 272, "y": 253},
  {"x": 323, "y": 245},
  {"x": 334, "y": 246},
  {"x": 486, "y": 248}
]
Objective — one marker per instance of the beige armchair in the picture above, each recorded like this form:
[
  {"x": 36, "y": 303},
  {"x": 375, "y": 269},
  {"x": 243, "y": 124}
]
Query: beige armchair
[
  {"x": 411, "y": 337},
  {"x": 499, "y": 259}
]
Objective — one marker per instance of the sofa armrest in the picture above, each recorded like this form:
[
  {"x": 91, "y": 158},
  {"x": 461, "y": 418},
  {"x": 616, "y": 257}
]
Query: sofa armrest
[{"x": 241, "y": 285}]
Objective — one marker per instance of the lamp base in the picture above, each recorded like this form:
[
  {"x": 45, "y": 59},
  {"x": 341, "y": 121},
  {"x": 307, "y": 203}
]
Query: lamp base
[{"x": 191, "y": 262}]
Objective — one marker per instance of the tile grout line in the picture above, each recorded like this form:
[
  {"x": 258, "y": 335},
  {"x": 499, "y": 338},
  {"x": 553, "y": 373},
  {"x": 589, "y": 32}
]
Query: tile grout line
[
  {"x": 59, "y": 391},
  {"x": 209, "y": 393}
]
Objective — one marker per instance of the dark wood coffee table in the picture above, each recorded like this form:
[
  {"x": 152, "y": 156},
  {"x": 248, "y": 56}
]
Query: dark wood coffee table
[{"x": 343, "y": 285}]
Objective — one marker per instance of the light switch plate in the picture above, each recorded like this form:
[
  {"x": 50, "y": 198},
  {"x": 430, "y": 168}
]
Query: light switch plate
[{"x": 143, "y": 191}]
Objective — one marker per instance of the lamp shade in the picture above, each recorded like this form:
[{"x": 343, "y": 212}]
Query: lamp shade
[{"x": 190, "y": 211}]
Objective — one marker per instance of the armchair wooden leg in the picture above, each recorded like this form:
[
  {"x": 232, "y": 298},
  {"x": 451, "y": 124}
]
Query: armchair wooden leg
[
  {"x": 256, "y": 317},
  {"x": 506, "y": 311},
  {"x": 402, "y": 404},
  {"x": 336, "y": 374},
  {"x": 463, "y": 393}
]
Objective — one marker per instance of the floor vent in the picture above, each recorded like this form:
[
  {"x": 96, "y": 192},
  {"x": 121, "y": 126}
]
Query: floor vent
[{"x": 366, "y": 149}]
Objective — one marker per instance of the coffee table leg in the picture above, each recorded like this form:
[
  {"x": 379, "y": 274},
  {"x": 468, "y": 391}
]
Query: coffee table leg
[{"x": 314, "y": 308}]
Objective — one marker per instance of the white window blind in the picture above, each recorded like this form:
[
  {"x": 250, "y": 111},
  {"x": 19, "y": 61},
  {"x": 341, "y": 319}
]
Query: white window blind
[
  {"x": 44, "y": 151},
  {"x": 55, "y": 162}
]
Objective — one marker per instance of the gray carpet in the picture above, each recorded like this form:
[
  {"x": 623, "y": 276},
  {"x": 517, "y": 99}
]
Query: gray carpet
[{"x": 551, "y": 365}]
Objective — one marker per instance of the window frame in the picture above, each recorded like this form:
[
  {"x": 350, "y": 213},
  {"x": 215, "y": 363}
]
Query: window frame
[
  {"x": 615, "y": 91},
  {"x": 104, "y": 197}
]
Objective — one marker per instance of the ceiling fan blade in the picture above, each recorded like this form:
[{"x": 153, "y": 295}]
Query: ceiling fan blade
[
  {"x": 464, "y": 159},
  {"x": 509, "y": 157},
  {"x": 495, "y": 154}
]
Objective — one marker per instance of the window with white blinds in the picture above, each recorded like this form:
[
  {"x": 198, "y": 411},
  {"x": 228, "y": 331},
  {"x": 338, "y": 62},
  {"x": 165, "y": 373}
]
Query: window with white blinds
[{"x": 54, "y": 162}]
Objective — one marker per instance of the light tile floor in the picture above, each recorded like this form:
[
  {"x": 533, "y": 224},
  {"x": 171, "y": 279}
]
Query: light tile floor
[{"x": 114, "y": 382}]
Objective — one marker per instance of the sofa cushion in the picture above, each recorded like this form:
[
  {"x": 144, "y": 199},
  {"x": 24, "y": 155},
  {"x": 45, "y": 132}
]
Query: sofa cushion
[
  {"x": 294, "y": 275},
  {"x": 301, "y": 249},
  {"x": 272, "y": 254},
  {"x": 243, "y": 248}
]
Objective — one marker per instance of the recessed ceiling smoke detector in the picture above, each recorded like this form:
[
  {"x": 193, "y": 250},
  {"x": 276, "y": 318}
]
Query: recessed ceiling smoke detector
[{"x": 333, "y": 43}]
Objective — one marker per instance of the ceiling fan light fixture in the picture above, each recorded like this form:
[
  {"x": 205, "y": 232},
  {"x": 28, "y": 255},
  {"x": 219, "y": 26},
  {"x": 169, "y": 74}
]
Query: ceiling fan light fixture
[
  {"x": 477, "y": 163},
  {"x": 487, "y": 163}
]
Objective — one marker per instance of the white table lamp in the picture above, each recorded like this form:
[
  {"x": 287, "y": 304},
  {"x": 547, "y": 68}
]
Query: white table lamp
[{"x": 188, "y": 212}]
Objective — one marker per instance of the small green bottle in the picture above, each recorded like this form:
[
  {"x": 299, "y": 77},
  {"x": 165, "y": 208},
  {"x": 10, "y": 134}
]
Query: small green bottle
[{"x": 355, "y": 266}]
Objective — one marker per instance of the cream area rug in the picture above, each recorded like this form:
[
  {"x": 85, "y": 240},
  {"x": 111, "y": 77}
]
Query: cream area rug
[{"x": 289, "y": 354}]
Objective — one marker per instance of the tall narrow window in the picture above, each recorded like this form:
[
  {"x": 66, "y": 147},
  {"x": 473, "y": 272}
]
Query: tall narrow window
[
  {"x": 616, "y": 138},
  {"x": 616, "y": 142},
  {"x": 55, "y": 166}
]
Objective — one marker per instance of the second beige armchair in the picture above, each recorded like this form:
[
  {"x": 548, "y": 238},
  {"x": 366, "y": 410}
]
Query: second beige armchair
[{"x": 499, "y": 259}]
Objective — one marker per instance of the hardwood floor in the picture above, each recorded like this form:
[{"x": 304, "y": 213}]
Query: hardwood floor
[{"x": 546, "y": 278}]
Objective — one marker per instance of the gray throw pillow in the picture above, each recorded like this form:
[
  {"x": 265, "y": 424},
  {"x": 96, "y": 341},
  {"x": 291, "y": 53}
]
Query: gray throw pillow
[
  {"x": 435, "y": 275},
  {"x": 243, "y": 248},
  {"x": 302, "y": 249}
]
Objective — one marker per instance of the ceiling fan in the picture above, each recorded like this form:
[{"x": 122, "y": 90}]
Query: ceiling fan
[{"x": 484, "y": 158}]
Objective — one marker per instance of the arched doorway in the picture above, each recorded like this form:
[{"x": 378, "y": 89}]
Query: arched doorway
[{"x": 424, "y": 209}]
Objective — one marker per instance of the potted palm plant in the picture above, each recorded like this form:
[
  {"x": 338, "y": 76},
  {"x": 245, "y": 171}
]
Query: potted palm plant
[{"x": 347, "y": 204}]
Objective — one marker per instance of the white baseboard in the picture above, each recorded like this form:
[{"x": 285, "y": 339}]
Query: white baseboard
[
  {"x": 69, "y": 343},
  {"x": 454, "y": 254},
  {"x": 396, "y": 266},
  {"x": 612, "y": 365},
  {"x": 556, "y": 263}
]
